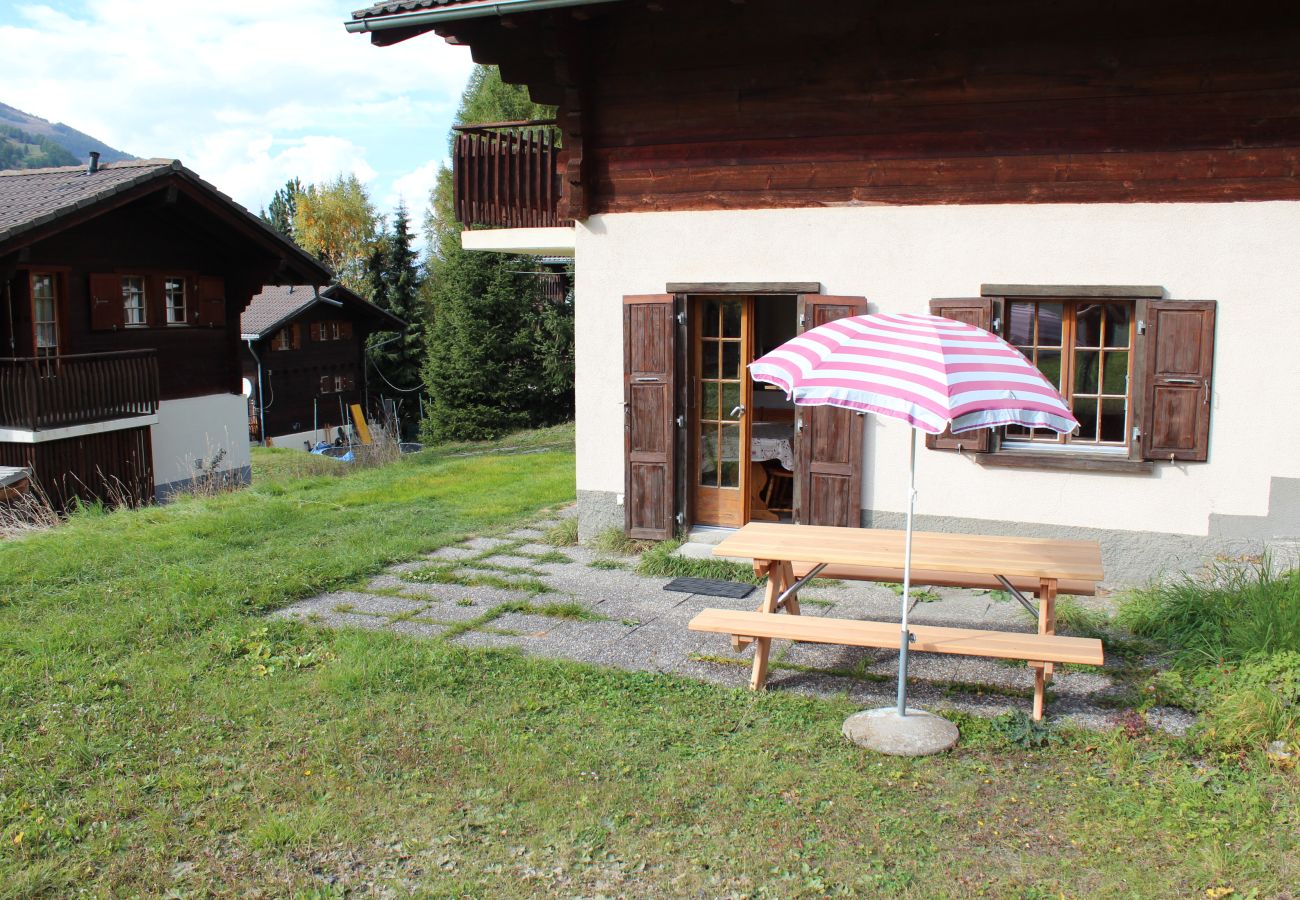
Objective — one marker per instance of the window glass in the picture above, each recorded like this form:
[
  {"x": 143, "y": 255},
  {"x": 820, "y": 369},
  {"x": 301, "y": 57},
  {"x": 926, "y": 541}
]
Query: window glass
[
  {"x": 133, "y": 300},
  {"x": 1081, "y": 347},
  {"x": 44, "y": 315},
  {"x": 174, "y": 293}
]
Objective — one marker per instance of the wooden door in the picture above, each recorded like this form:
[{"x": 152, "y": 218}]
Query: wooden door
[
  {"x": 722, "y": 349},
  {"x": 828, "y": 441},
  {"x": 649, "y": 367}
]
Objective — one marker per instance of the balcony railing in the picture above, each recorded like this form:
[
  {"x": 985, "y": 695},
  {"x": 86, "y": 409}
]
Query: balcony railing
[
  {"x": 58, "y": 391},
  {"x": 507, "y": 175}
]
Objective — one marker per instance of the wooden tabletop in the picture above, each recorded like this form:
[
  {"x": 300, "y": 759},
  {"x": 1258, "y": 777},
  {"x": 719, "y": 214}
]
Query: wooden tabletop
[{"x": 934, "y": 551}]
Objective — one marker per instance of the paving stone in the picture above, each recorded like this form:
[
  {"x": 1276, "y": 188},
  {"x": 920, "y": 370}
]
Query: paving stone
[
  {"x": 516, "y": 562},
  {"x": 479, "y": 544},
  {"x": 417, "y": 628},
  {"x": 412, "y": 566},
  {"x": 547, "y": 548},
  {"x": 372, "y": 604},
  {"x": 524, "y": 623},
  {"x": 453, "y": 552},
  {"x": 491, "y": 640},
  {"x": 528, "y": 533},
  {"x": 481, "y": 595}
]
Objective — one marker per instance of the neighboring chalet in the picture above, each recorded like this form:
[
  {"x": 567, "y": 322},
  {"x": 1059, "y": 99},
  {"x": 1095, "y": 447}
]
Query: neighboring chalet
[
  {"x": 304, "y": 359},
  {"x": 1113, "y": 188},
  {"x": 122, "y": 286}
]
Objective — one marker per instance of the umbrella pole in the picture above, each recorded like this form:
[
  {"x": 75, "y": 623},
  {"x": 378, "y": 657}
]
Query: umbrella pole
[{"x": 905, "y": 636}]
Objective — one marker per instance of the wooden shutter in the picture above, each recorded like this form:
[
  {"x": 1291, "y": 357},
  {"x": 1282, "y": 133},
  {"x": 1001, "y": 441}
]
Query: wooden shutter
[
  {"x": 211, "y": 302},
  {"x": 977, "y": 311},
  {"x": 345, "y": 330},
  {"x": 295, "y": 336},
  {"x": 314, "y": 331},
  {"x": 828, "y": 441},
  {"x": 1176, "y": 359},
  {"x": 106, "y": 311},
  {"x": 649, "y": 367}
]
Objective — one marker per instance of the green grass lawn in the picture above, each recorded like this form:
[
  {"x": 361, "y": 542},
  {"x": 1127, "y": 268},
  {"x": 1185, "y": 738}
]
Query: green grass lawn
[{"x": 158, "y": 735}]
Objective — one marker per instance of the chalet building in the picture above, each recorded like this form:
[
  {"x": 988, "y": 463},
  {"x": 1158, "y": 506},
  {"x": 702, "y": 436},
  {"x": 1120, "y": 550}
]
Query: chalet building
[
  {"x": 122, "y": 286},
  {"x": 304, "y": 359},
  {"x": 1114, "y": 191}
]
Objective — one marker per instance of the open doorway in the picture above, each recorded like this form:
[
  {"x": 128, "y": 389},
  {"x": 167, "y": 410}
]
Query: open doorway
[{"x": 741, "y": 434}]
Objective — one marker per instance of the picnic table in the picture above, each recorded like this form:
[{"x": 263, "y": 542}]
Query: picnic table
[{"x": 792, "y": 555}]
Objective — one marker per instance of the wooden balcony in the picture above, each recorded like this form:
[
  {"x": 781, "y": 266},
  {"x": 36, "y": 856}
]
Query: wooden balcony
[
  {"x": 59, "y": 391},
  {"x": 507, "y": 175}
]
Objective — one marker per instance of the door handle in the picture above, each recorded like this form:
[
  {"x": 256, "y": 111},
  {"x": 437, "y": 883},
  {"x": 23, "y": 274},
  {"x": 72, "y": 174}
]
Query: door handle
[{"x": 738, "y": 411}]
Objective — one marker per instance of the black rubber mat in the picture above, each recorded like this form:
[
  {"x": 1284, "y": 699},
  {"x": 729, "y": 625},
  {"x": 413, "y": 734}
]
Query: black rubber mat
[{"x": 709, "y": 587}]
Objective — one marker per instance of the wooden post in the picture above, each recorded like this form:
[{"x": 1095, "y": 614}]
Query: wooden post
[
  {"x": 1046, "y": 625},
  {"x": 776, "y": 583}
]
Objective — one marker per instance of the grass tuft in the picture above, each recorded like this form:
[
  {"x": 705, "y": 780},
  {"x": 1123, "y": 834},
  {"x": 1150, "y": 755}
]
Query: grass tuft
[
  {"x": 613, "y": 540},
  {"x": 562, "y": 534}
]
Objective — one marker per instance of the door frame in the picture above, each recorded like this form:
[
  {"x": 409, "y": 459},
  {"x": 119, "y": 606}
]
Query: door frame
[{"x": 684, "y": 291}]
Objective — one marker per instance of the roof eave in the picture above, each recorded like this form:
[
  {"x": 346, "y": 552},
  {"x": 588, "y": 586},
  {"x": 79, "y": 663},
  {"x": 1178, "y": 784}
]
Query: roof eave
[{"x": 432, "y": 17}]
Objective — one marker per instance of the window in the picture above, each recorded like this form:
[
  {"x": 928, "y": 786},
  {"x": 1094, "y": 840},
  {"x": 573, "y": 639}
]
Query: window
[
  {"x": 45, "y": 317},
  {"x": 1083, "y": 348},
  {"x": 286, "y": 338},
  {"x": 174, "y": 295},
  {"x": 133, "y": 309}
]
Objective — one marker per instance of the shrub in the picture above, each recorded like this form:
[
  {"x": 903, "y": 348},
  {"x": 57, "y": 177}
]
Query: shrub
[{"x": 1257, "y": 702}]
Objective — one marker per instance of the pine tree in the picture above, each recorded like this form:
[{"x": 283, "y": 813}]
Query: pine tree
[
  {"x": 280, "y": 211},
  {"x": 398, "y": 356}
]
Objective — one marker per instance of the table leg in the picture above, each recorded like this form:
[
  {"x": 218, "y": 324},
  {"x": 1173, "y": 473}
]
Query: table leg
[
  {"x": 1046, "y": 625},
  {"x": 762, "y": 568},
  {"x": 776, "y": 583},
  {"x": 787, "y": 575}
]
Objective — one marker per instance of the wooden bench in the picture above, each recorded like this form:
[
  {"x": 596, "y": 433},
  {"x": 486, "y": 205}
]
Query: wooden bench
[
  {"x": 1025, "y": 565},
  {"x": 1035, "y": 649}
]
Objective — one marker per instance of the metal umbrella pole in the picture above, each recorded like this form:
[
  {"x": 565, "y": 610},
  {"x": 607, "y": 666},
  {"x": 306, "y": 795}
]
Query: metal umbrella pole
[{"x": 905, "y": 636}]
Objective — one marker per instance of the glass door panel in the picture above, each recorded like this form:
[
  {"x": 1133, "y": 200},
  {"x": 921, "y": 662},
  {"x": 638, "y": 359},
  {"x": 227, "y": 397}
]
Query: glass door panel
[{"x": 721, "y": 354}]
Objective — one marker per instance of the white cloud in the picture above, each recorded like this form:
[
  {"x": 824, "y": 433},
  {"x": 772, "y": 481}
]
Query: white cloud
[
  {"x": 246, "y": 95},
  {"x": 413, "y": 189}
]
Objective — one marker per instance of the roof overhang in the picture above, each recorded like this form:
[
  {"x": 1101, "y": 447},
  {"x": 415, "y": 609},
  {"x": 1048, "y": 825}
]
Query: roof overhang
[
  {"x": 335, "y": 295},
  {"x": 417, "y": 18}
]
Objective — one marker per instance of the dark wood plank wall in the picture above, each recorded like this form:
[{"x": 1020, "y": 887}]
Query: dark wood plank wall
[
  {"x": 112, "y": 466},
  {"x": 707, "y": 104},
  {"x": 291, "y": 378},
  {"x": 158, "y": 236}
]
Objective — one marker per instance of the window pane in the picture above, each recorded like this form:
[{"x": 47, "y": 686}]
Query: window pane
[
  {"x": 46, "y": 337},
  {"x": 711, "y": 311},
  {"x": 731, "y": 360},
  {"x": 709, "y": 457},
  {"x": 1049, "y": 363},
  {"x": 730, "y": 456},
  {"x": 1085, "y": 371},
  {"x": 1085, "y": 410},
  {"x": 1018, "y": 431},
  {"x": 709, "y": 404},
  {"x": 1115, "y": 378},
  {"x": 133, "y": 300},
  {"x": 1118, "y": 316},
  {"x": 1020, "y": 323},
  {"x": 1049, "y": 324},
  {"x": 709, "y": 359},
  {"x": 1113, "y": 424},
  {"x": 730, "y": 398},
  {"x": 731, "y": 318},
  {"x": 174, "y": 292},
  {"x": 1087, "y": 326}
]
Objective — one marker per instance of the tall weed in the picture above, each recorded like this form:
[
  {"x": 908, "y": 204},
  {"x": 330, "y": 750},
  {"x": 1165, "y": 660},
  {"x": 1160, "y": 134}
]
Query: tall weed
[{"x": 1234, "y": 609}]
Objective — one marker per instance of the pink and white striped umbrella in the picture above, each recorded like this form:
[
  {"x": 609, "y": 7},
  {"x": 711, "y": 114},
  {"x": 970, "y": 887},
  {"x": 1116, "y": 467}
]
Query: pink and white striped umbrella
[{"x": 928, "y": 371}]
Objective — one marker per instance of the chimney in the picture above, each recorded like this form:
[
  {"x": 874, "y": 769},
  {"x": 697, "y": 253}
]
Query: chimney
[{"x": 93, "y": 166}]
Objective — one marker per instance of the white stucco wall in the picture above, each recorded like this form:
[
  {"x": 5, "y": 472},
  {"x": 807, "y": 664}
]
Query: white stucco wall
[
  {"x": 196, "y": 428},
  {"x": 1241, "y": 254}
]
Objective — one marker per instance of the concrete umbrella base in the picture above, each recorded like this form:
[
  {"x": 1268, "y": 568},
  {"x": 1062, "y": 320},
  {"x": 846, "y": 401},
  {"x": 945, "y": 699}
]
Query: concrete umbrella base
[{"x": 916, "y": 734}]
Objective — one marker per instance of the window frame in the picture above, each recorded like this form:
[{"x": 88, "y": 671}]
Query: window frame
[
  {"x": 184, "y": 283},
  {"x": 1069, "y": 375},
  {"x": 144, "y": 301},
  {"x": 56, "y": 322}
]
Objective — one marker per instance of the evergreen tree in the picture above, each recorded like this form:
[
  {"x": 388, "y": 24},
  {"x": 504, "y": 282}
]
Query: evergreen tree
[
  {"x": 398, "y": 356},
  {"x": 500, "y": 356},
  {"x": 283, "y": 207}
]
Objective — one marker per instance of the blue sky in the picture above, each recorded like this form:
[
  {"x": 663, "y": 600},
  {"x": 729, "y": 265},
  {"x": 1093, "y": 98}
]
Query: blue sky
[{"x": 245, "y": 94}]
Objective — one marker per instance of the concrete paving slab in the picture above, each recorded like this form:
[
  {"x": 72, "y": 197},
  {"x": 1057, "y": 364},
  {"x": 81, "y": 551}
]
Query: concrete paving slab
[
  {"x": 479, "y": 544},
  {"x": 353, "y": 601},
  {"x": 451, "y": 553}
]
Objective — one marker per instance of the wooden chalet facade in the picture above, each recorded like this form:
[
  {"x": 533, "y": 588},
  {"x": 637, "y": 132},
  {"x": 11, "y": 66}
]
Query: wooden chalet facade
[
  {"x": 1115, "y": 190},
  {"x": 304, "y": 358},
  {"x": 121, "y": 288}
]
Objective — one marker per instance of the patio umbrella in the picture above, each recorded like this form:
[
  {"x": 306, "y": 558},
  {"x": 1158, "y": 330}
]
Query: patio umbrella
[{"x": 930, "y": 372}]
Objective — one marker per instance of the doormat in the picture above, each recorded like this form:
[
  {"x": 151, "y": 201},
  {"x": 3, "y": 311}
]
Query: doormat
[{"x": 710, "y": 587}]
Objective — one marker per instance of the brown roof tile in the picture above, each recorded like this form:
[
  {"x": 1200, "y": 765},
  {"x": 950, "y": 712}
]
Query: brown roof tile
[{"x": 277, "y": 304}]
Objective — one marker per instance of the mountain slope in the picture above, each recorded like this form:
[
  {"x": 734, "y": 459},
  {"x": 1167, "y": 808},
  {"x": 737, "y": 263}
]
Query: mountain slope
[{"x": 33, "y": 130}]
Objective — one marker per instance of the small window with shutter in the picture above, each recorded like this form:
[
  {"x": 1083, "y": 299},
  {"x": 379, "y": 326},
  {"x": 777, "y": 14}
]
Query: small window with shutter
[{"x": 1134, "y": 367}]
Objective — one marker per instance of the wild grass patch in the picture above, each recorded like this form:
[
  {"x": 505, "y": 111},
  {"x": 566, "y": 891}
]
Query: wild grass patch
[{"x": 563, "y": 533}]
